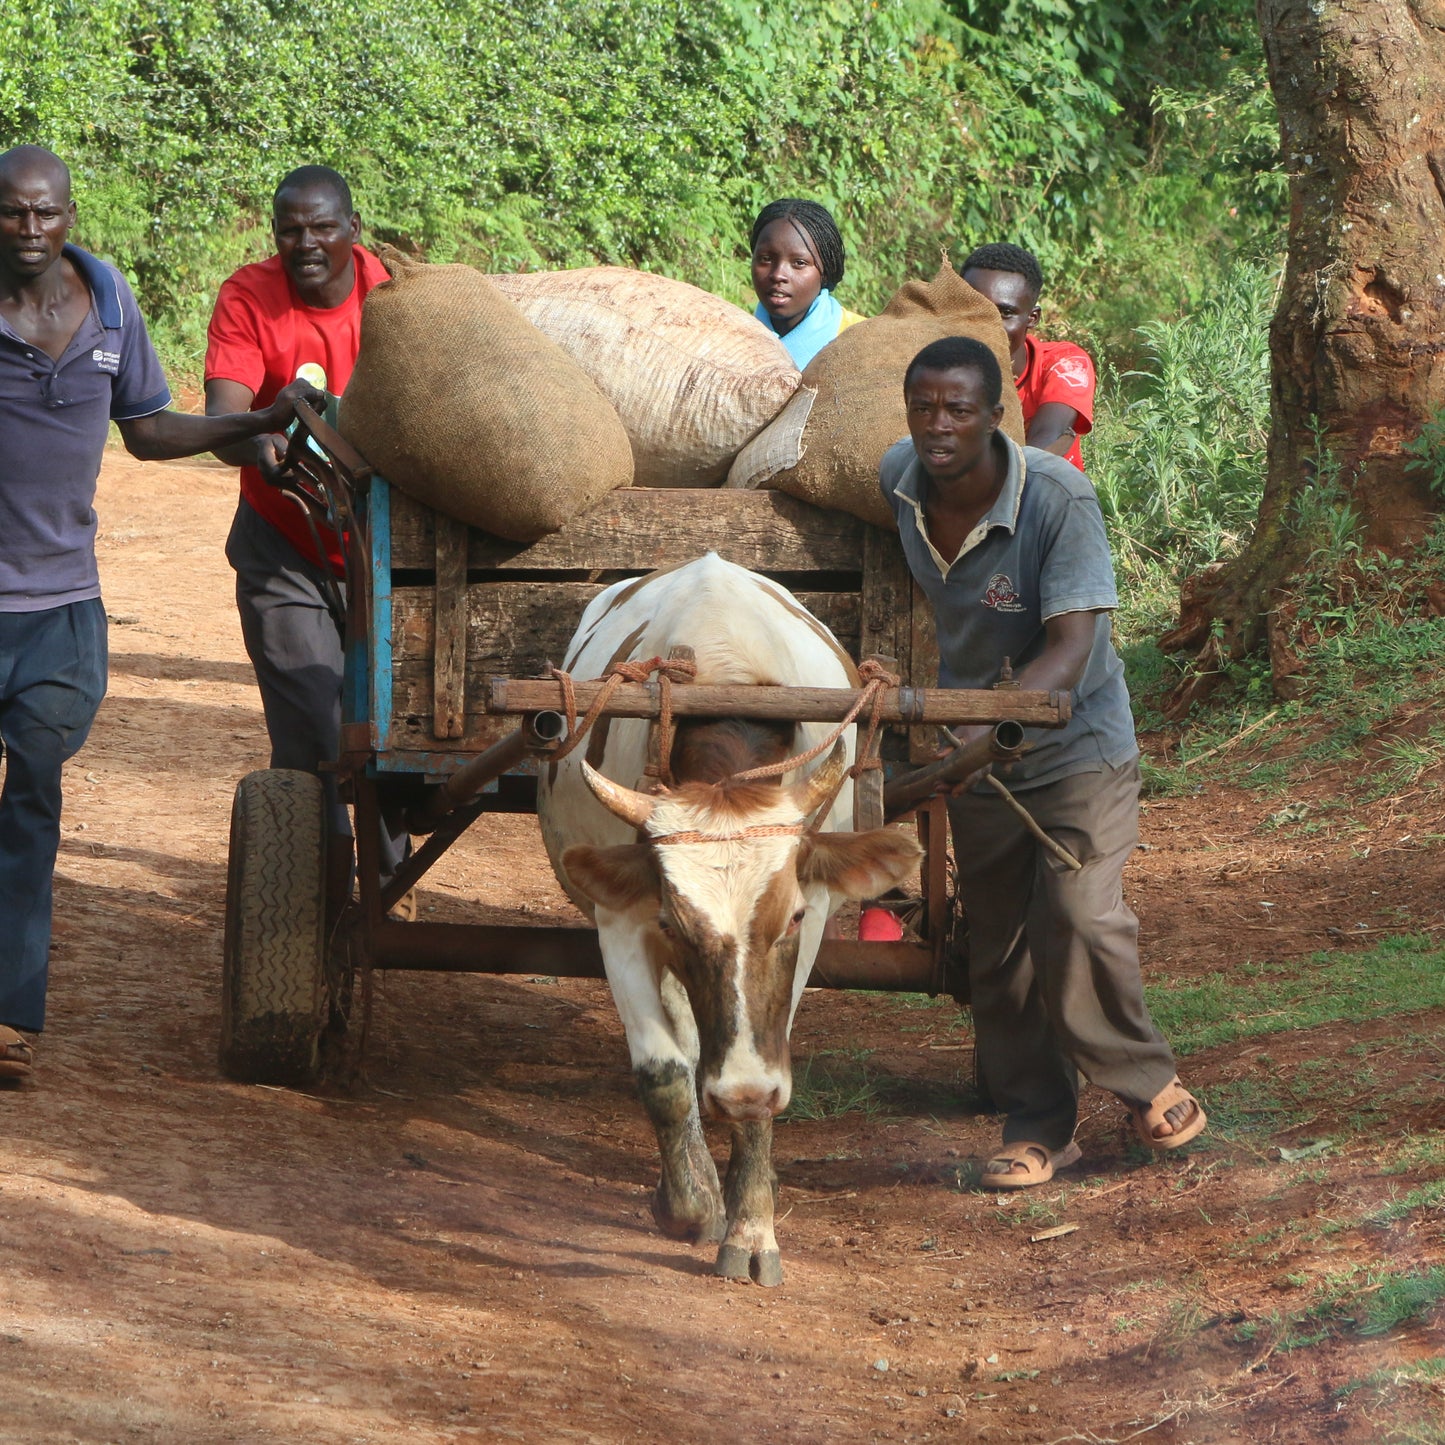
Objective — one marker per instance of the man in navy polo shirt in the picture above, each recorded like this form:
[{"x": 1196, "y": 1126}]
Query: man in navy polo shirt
[
  {"x": 74, "y": 356},
  {"x": 1008, "y": 545}
]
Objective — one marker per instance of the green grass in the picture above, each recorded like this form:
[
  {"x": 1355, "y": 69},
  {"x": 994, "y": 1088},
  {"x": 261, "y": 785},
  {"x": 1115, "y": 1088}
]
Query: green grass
[
  {"x": 1393, "y": 1389},
  {"x": 1422, "y": 1152},
  {"x": 833, "y": 1082},
  {"x": 1399, "y": 975},
  {"x": 1428, "y": 1196},
  {"x": 1367, "y": 1302}
]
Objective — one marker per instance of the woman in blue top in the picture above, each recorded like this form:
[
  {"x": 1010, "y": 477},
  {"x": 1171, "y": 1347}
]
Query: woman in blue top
[{"x": 797, "y": 260}]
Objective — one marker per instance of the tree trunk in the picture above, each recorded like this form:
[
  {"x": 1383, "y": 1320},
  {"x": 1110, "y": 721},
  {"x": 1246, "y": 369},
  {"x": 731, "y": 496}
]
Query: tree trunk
[{"x": 1357, "y": 339}]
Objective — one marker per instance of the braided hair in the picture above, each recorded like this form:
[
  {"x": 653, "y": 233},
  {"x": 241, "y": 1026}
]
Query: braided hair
[
  {"x": 818, "y": 228},
  {"x": 1003, "y": 256}
]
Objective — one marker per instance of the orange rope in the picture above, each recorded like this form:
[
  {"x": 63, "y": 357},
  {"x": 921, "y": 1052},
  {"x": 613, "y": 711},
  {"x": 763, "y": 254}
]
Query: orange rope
[
  {"x": 638, "y": 671},
  {"x": 758, "y": 830},
  {"x": 875, "y": 678}
]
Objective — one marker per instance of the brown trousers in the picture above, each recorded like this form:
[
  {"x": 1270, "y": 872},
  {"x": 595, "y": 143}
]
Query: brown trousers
[{"x": 1053, "y": 952}]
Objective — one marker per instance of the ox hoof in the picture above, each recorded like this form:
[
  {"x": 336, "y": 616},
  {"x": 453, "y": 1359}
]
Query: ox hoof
[
  {"x": 698, "y": 1225},
  {"x": 765, "y": 1267}
]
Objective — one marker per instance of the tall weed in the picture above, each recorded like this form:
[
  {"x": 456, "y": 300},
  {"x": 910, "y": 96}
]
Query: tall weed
[{"x": 1178, "y": 448}]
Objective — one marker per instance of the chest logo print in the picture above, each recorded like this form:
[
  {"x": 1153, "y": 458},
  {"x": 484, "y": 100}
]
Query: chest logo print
[
  {"x": 1001, "y": 595},
  {"x": 106, "y": 360}
]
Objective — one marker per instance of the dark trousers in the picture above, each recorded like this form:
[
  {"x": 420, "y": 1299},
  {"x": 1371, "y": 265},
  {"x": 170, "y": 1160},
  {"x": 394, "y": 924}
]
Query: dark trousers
[
  {"x": 295, "y": 645},
  {"x": 52, "y": 678},
  {"x": 1053, "y": 952}
]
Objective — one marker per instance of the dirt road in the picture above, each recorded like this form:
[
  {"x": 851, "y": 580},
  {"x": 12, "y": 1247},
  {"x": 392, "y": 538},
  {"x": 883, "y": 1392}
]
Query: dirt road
[{"x": 460, "y": 1248}]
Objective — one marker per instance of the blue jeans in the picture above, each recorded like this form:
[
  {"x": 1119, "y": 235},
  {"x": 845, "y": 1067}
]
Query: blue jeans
[{"x": 52, "y": 678}]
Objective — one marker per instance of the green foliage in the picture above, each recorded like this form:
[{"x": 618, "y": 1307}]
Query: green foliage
[
  {"x": 833, "y": 1082},
  {"x": 648, "y": 132},
  {"x": 1178, "y": 451},
  {"x": 1427, "y": 453},
  {"x": 1399, "y": 976}
]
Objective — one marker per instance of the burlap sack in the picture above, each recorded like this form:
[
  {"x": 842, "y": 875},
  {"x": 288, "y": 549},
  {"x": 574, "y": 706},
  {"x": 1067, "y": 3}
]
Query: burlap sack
[
  {"x": 692, "y": 377},
  {"x": 828, "y": 454},
  {"x": 458, "y": 399}
]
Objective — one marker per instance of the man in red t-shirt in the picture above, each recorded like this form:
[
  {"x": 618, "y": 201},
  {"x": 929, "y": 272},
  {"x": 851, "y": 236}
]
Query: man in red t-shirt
[
  {"x": 1055, "y": 379},
  {"x": 296, "y": 314}
]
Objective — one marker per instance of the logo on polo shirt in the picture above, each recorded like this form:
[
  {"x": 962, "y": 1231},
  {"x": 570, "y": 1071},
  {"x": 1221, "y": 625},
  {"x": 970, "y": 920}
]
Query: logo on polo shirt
[
  {"x": 106, "y": 360},
  {"x": 1072, "y": 371},
  {"x": 1001, "y": 595}
]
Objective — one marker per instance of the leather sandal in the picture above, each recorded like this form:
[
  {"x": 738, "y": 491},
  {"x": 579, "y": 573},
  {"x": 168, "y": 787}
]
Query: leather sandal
[
  {"x": 17, "y": 1054},
  {"x": 404, "y": 910},
  {"x": 1023, "y": 1164},
  {"x": 1150, "y": 1117}
]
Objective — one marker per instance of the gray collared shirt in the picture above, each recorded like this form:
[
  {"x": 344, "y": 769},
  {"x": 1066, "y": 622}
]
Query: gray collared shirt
[
  {"x": 1039, "y": 552},
  {"x": 54, "y": 417}
]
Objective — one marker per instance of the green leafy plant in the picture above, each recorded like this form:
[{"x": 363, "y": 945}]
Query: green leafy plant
[
  {"x": 648, "y": 132},
  {"x": 1427, "y": 453}
]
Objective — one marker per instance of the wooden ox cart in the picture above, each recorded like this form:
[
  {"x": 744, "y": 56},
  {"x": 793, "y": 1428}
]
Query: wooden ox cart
[{"x": 443, "y": 624}]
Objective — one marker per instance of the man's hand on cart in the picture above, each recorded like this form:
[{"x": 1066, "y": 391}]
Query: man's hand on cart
[
  {"x": 271, "y": 458},
  {"x": 271, "y": 446},
  {"x": 962, "y": 736},
  {"x": 282, "y": 412}
]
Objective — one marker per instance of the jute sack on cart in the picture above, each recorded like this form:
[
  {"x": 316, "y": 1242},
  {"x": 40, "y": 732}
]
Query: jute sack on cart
[
  {"x": 826, "y": 447},
  {"x": 693, "y": 377},
  {"x": 459, "y": 400}
]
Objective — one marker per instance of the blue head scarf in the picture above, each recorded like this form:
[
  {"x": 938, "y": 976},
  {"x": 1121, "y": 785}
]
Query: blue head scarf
[{"x": 818, "y": 327}]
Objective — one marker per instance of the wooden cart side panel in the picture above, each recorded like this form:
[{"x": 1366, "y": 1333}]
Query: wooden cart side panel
[
  {"x": 512, "y": 629},
  {"x": 885, "y": 627},
  {"x": 638, "y": 530},
  {"x": 923, "y": 672},
  {"x": 449, "y": 642}
]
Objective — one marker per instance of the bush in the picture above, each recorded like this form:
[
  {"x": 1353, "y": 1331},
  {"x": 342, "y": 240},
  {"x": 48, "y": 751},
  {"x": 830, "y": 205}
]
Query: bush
[
  {"x": 648, "y": 132},
  {"x": 1177, "y": 454}
]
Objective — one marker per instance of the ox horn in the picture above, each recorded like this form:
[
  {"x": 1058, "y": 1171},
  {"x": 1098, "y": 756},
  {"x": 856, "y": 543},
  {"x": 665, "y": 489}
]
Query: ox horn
[
  {"x": 820, "y": 787},
  {"x": 632, "y": 807}
]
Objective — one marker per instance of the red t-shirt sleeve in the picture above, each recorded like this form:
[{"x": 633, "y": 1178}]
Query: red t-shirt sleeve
[
  {"x": 233, "y": 340},
  {"x": 1068, "y": 377}
]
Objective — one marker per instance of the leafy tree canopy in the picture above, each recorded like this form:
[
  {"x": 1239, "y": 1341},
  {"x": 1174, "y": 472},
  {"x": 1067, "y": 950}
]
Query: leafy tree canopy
[{"x": 1131, "y": 144}]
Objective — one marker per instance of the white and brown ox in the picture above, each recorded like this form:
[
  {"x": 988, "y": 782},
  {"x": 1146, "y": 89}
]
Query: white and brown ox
[{"x": 710, "y": 898}]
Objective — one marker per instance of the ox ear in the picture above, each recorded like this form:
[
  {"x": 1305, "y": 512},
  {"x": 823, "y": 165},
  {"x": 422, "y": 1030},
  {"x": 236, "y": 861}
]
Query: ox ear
[
  {"x": 859, "y": 865},
  {"x": 618, "y": 878}
]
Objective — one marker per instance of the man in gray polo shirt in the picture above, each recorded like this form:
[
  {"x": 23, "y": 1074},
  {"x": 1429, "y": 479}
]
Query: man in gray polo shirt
[
  {"x": 1008, "y": 545},
  {"x": 74, "y": 356}
]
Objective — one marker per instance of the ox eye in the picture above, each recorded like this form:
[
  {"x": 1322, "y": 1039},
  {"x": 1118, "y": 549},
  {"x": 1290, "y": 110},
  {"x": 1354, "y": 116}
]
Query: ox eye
[
  {"x": 796, "y": 921},
  {"x": 665, "y": 928}
]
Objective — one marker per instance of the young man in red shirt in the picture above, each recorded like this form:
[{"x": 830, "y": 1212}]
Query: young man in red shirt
[
  {"x": 1055, "y": 379},
  {"x": 296, "y": 314}
]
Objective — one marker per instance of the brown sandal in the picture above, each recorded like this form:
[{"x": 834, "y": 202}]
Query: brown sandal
[
  {"x": 1023, "y": 1164},
  {"x": 17, "y": 1054},
  {"x": 1150, "y": 1117}
]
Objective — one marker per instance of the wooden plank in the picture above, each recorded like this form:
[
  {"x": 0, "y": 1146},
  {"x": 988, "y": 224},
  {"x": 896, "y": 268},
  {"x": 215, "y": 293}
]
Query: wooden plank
[
  {"x": 884, "y": 624},
  {"x": 517, "y": 628},
  {"x": 638, "y": 530},
  {"x": 449, "y": 658},
  {"x": 923, "y": 742},
  {"x": 514, "y": 629},
  {"x": 378, "y": 668}
]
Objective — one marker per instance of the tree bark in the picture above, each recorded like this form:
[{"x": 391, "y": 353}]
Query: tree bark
[{"x": 1356, "y": 341}]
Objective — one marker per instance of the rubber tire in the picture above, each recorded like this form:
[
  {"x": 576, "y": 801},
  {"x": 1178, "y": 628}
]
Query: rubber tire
[{"x": 273, "y": 976}]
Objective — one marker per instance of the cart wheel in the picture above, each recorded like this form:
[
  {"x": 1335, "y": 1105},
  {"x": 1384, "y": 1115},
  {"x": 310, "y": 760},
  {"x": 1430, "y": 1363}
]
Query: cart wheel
[{"x": 273, "y": 976}]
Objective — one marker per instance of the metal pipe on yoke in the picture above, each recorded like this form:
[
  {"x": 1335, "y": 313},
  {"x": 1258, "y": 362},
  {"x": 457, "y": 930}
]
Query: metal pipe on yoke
[
  {"x": 1005, "y": 744},
  {"x": 538, "y": 735}
]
